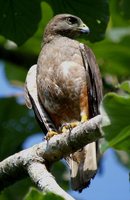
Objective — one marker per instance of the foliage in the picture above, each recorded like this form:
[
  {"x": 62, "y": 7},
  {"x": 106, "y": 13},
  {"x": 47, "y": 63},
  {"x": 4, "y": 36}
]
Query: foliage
[
  {"x": 18, "y": 21},
  {"x": 97, "y": 14},
  {"x": 16, "y": 191},
  {"x": 24, "y": 22},
  {"x": 16, "y": 125},
  {"x": 35, "y": 194},
  {"x": 115, "y": 110}
]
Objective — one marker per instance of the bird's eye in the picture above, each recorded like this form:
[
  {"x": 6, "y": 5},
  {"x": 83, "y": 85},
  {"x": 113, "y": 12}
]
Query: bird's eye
[{"x": 71, "y": 20}]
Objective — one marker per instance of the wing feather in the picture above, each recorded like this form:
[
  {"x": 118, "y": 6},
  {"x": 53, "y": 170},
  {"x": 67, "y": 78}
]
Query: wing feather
[
  {"x": 32, "y": 101},
  {"x": 83, "y": 163},
  {"x": 93, "y": 79}
]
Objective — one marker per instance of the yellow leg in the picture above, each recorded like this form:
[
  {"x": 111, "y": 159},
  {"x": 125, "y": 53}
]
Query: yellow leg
[
  {"x": 84, "y": 118},
  {"x": 50, "y": 134}
]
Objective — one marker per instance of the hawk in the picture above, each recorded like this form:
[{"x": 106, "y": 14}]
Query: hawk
[{"x": 65, "y": 88}]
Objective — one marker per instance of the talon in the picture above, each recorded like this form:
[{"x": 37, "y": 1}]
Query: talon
[
  {"x": 50, "y": 134},
  {"x": 74, "y": 124},
  {"x": 68, "y": 126},
  {"x": 65, "y": 129}
]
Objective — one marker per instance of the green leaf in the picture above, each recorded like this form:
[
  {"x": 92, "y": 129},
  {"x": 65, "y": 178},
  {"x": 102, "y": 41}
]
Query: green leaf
[
  {"x": 16, "y": 191},
  {"x": 17, "y": 122},
  {"x": 115, "y": 110},
  {"x": 34, "y": 194},
  {"x": 95, "y": 15},
  {"x": 125, "y": 86},
  {"x": 36, "y": 40},
  {"x": 122, "y": 140},
  {"x": 19, "y": 19}
]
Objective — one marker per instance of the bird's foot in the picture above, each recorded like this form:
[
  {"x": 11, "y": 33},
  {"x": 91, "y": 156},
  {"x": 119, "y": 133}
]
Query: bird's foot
[
  {"x": 69, "y": 126},
  {"x": 50, "y": 134}
]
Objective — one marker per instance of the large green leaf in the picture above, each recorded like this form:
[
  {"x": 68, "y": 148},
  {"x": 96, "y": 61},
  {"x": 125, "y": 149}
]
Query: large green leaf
[
  {"x": 34, "y": 194},
  {"x": 16, "y": 123},
  {"x": 115, "y": 110},
  {"x": 19, "y": 19},
  {"x": 33, "y": 45},
  {"x": 94, "y": 14}
]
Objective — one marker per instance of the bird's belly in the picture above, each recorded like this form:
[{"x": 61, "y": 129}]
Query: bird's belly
[
  {"x": 62, "y": 95},
  {"x": 63, "y": 108}
]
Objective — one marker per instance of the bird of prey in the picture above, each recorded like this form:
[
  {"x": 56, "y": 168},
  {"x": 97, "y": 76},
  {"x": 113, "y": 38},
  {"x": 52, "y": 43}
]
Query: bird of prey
[{"x": 65, "y": 88}]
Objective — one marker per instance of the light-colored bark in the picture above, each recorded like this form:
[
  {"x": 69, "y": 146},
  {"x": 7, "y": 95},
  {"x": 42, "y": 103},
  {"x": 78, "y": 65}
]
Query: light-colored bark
[{"x": 45, "y": 181}]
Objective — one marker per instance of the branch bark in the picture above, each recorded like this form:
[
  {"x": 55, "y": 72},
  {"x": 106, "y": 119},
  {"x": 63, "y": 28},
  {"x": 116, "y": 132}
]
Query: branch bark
[
  {"x": 45, "y": 181},
  {"x": 33, "y": 161}
]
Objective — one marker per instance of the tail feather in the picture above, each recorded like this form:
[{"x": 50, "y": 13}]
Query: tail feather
[{"x": 83, "y": 164}]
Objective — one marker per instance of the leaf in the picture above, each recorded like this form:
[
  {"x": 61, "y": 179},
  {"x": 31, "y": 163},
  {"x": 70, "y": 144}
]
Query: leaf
[
  {"x": 36, "y": 40},
  {"x": 34, "y": 194},
  {"x": 95, "y": 15},
  {"x": 19, "y": 19},
  {"x": 16, "y": 191},
  {"x": 122, "y": 140},
  {"x": 125, "y": 86},
  {"x": 17, "y": 122},
  {"x": 115, "y": 110}
]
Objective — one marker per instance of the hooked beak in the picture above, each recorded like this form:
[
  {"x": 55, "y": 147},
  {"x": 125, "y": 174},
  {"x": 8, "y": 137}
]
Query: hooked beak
[{"x": 84, "y": 29}]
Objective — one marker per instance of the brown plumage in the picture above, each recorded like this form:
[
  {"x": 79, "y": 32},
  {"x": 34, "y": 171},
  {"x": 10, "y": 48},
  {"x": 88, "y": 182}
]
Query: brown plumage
[{"x": 69, "y": 89}]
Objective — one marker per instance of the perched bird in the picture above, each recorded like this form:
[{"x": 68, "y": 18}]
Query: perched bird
[{"x": 67, "y": 89}]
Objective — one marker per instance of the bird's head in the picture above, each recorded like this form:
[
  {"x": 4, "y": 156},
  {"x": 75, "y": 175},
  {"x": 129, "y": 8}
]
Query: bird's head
[{"x": 66, "y": 25}]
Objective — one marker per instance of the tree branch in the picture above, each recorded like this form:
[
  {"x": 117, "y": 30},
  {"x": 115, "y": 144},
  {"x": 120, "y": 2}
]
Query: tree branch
[
  {"x": 34, "y": 159},
  {"x": 45, "y": 181}
]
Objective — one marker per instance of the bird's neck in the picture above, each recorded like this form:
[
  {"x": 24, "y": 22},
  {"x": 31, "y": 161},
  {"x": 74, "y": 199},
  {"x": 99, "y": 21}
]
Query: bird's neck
[{"x": 49, "y": 37}]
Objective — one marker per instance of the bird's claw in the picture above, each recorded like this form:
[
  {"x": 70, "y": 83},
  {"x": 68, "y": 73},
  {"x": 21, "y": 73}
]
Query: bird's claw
[
  {"x": 69, "y": 126},
  {"x": 50, "y": 134}
]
